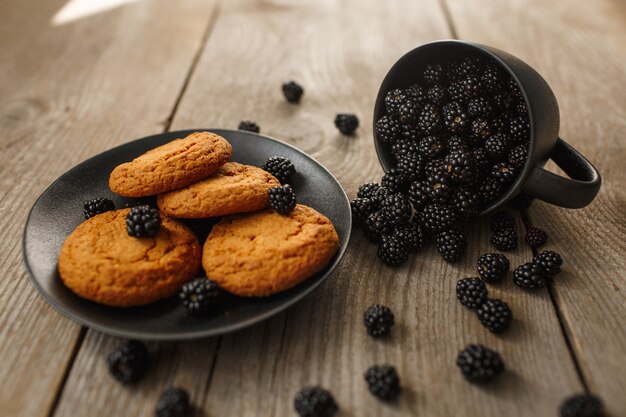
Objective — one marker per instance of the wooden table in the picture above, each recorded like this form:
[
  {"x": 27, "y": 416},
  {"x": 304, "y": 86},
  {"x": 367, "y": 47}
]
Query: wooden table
[{"x": 70, "y": 89}]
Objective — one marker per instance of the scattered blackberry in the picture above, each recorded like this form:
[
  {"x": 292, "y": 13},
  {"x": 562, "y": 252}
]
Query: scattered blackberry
[
  {"x": 200, "y": 296},
  {"x": 517, "y": 155},
  {"x": 282, "y": 199},
  {"x": 460, "y": 166},
  {"x": 490, "y": 78},
  {"x": 368, "y": 190},
  {"x": 249, "y": 126},
  {"x": 346, "y": 123},
  {"x": 393, "y": 249},
  {"x": 412, "y": 234},
  {"x": 394, "y": 99},
  {"x": 493, "y": 267},
  {"x": 362, "y": 208},
  {"x": 437, "y": 94},
  {"x": 398, "y": 208},
  {"x": 489, "y": 191},
  {"x": 129, "y": 362},
  {"x": 281, "y": 168},
  {"x": 292, "y": 91},
  {"x": 529, "y": 276},
  {"x": 418, "y": 194},
  {"x": 478, "y": 107},
  {"x": 504, "y": 174},
  {"x": 522, "y": 201},
  {"x": 455, "y": 117},
  {"x": 393, "y": 180},
  {"x": 383, "y": 382},
  {"x": 434, "y": 73},
  {"x": 519, "y": 129},
  {"x": 457, "y": 143},
  {"x": 407, "y": 112},
  {"x": 536, "y": 237},
  {"x": 582, "y": 405},
  {"x": 439, "y": 188},
  {"x": 471, "y": 292},
  {"x": 497, "y": 146},
  {"x": 411, "y": 166},
  {"x": 432, "y": 147},
  {"x": 504, "y": 239},
  {"x": 479, "y": 364},
  {"x": 143, "y": 221},
  {"x": 97, "y": 206},
  {"x": 404, "y": 148},
  {"x": 315, "y": 402},
  {"x": 496, "y": 315},
  {"x": 387, "y": 129},
  {"x": 174, "y": 402},
  {"x": 455, "y": 91},
  {"x": 429, "y": 119},
  {"x": 501, "y": 220},
  {"x": 470, "y": 87},
  {"x": 378, "y": 320},
  {"x": 466, "y": 202},
  {"x": 451, "y": 245},
  {"x": 437, "y": 217},
  {"x": 377, "y": 224},
  {"x": 550, "y": 262},
  {"x": 417, "y": 93},
  {"x": 481, "y": 129}
]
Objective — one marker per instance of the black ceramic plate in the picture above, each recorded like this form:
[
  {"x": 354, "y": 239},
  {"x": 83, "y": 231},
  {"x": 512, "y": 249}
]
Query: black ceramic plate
[{"x": 58, "y": 211}]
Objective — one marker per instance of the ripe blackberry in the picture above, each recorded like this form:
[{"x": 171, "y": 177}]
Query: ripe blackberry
[
  {"x": 378, "y": 320},
  {"x": 522, "y": 201},
  {"x": 431, "y": 147},
  {"x": 455, "y": 117},
  {"x": 398, "y": 208},
  {"x": 504, "y": 174},
  {"x": 129, "y": 362},
  {"x": 470, "y": 87},
  {"x": 393, "y": 249},
  {"x": 455, "y": 91},
  {"x": 394, "y": 99},
  {"x": 416, "y": 93},
  {"x": 550, "y": 262},
  {"x": 249, "y": 126},
  {"x": 529, "y": 276},
  {"x": 437, "y": 217},
  {"x": 514, "y": 89},
  {"x": 490, "y": 78},
  {"x": 536, "y": 237},
  {"x": 479, "y": 107},
  {"x": 97, "y": 206},
  {"x": 517, "y": 155},
  {"x": 378, "y": 224},
  {"x": 459, "y": 166},
  {"x": 434, "y": 73},
  {"x": 437, "y": 94},
  {"x": 407, "y": 112},
  {"x": 451, "y": 245},
  {"x": 457, "y": 143},
  {"x": 411, "y": 166},
  {"x": 479, "y": 364},
  {"x": 143, "y": 221},
  {"x": 362, "y": 208},
  {"x": 292, "y": 91},
  {"x": 468, "y": 66},
  {"x": 404, "y": 148},
  {"x": 497, "y": 146},
  {"x": 582, "y": 405},
  {"x": 466, "y": 202},
  {"x": 393, "y": 180},
  {"x": 502, "y": 100},
  {"x": 368, "y": 190},
  {"x": 387, "y": 129},
  {"x": 496, "y": 315},
  {"x": 379, "y": 195},
  {"x": 520, "y": 108},
  {"x": 282, "y": 199},
  {"x": 281, "y": 168},
  {"x": 418, "y": 194},
  {"x": 408, "y": 133},
  {"x": 435, "y": 167},
  {"x": 481, "y": 163},
  {"x": 346, "y": 123},
  {"x": 440, "y": 190},
  {"x": 481, "y": 129},
  {"x": 429, "y": 119},
  {"x": 489, "y": 191},
  {"x": 501, "y": 220},
  {"x": 501, "y": 122},
  {"x": 471, "y": 292},
  {"x": 173, "y": 402},
  {"x": 383, "y": 382},
  {"x": 493, "y": 267},
  {"x": 200, "y": 296},
  {"x": 519, "y": 129},
  {"x": 412, "y": 234},
  {"x": 504, "y": 239},
  {"x": 315, "y": 402}
]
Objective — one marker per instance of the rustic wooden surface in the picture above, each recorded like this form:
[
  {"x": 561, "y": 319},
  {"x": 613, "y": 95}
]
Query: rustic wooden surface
[{"x": 68, "y": 92}]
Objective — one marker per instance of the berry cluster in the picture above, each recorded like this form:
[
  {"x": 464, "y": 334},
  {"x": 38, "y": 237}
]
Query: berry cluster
[
  {"x": 494, "y": 314},
  {"x": 534, "y": 274}
]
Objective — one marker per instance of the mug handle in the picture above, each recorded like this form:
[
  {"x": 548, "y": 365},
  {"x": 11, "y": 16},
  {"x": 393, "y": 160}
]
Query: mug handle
[{"x": 577, "y": 191}]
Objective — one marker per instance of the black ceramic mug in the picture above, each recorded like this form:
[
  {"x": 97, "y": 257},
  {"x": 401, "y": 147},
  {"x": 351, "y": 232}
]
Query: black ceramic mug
[{"x": 584, "y": 180}]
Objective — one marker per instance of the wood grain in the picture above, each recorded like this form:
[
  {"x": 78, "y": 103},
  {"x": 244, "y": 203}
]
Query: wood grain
[
  {"x": 68, "y": 92},
  {"x": 581, "y": 52}
]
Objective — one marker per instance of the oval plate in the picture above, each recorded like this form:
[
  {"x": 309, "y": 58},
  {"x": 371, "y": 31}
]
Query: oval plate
[{"x": 58, "y": 211}]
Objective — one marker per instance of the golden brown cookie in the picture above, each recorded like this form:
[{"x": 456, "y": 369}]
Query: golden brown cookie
[
  {"x": 262, "y": 253},
  {"x": 101, "y": 263},
  {"x": 234, "y": 188},
  {"x": 174, "y": 165}
]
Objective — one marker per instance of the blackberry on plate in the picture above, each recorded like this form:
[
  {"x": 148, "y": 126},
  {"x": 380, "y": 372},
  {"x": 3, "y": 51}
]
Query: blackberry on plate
[
  {"x": 529, "y": 276},
  {"x": 249, "y": 126},
  {"x": 398, "y": 208},
  {"x": 437, "y": 94},
  {"x": 418, "y": 194},
  {"x": 387, "y": 129},
  {"x": 378, "y": 224},
  {"x": 282, "y": 168},
  {"x": 519, "y": 129},
  {"x": 393, "y": 180},
  {"x": 440, "y": 190},
  {"x": 451, "y": 245},
  {"x": 346, "y": 123},
  {"x": 412, "y": 234},
  {"x": 282, "y": 199},
  {"x": 367, "y": 190},
  {"x": 201, "y": 296},
  {"x": 470, "y": 87},
  {"x": 504, "y": 174},
  {"x": 407, "y": 112},
  {"x": 129, "y": 362},
  {"x": 173, "y": 402},
  {"x": 489, "y": 191},
  {"x": 383, "y": 382},
  {"x": 437, "y": 217},
  {"x": 429, "y": 119},
  {"x": 455, "y": 118},
  {"x": 501, "y": 220},
  {"x": 457, "y": 143},
  {"x": 393, "y": 249},
  {"x": 550, "y": 262},
  {"x": 143, "y": 221},
  {"x": 504, "y": 239},
  {"x": 433, "y": 73},
  {"x": 496, "y": 315},
  {"x": 394, "y": 99},
  {"x": 466, "y": 202},
  {"x": 315, "y": 402},
  {"x": 497, "y": 146},
  {"x": 471, "y": 292},
  {"x": 362, "y": 208},
  {"x": 378, "y": 320},
  {"x": 479, "y": 364},
  {"x": 432, "y": 147},
  {"x": 459, "y": 166},
  {"x": 97, "y": 206},
  {"x": 411, "y": 166},
  {"x": 536, "y": 237},
  {"x": 292, "y": 91},
  {"x": 481, "y": 129},
  {"x": 493, "y": 267},
  {"x": 479, "y": 106},
  {"x": 417, "y": 93},
  {"x": 582, "y": 405},
  {"x": 517, "y": 155}
]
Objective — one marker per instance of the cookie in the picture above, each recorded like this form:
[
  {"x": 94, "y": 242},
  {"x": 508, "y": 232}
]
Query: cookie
[
  {"x": 101, "y": 263},
  {"x": 234, "y": 188},
  {"x": 263, "y": 253},
  {"x": 174, "y": 165}
]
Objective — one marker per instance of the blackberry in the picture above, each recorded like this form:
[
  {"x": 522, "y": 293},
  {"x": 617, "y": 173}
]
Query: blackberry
[
  {"x": 411, "y": 166},
  {"x": 497, "y": 145},
  {"x": 393, "y": 180},
  {"x": 368, "y": 190},
  {"x": 437, "y": 217},
  {"x": 450, "y": 70},
  {"x": 398, "y": 208},
  {"x": 522, "y": 201},
  {"x": 407, "y": 112},
  {"x": 451, "y": 245},
  {"x": 362, "y": 208},
  {"x": 435, "y": 167},
  {"x": 431, "y": 147},
  {"x": 383, "y": 382},
  {"x": 529, "y": 276},
  {"x": 501, "y": 122},
  {"x": 379, "y": 195},
  {"x": 143, "y": 221},
  {"x": 394, "y": 99},
  {"x": 520, "y": 108},
  {"x": 439, "y": 188},
  {"x": 471, "y": 292},
  {"x": 536, "y": 237},
  {"x": 519, "y": 129},
  {"x": 455, "y": 91},
  {"x": 315, "y": 402},
  {"x": 249, "y": 126},
  {"x": 496, "y": 315},
  {"x": 418, "y": 194},
  {"x": 378, "y": 320},
  {"x": 459, "y": 166},
  {"x": 514, "y": 88},
  {"x": 282, "y": 199},
  {"x": 387, "y": 129},
  {"x": 455, "y": 118},
  {"x": 517, "y": 156},
  {"x": 404, "y": 148},
  {"x": 501, "y": 220},
  {"x": 489, "y": 191},
  {"x": 346, "y": 123},
  {"x": 470, "y": 87},
  {"x": 129, "y": 362},
  {"x": 504, "y": 174},
  {"x": 417, "y": 93},
  {"x": 437, "y": 94},
  {"x": 550, "y": 262},
  {"x": 412, "y": 234},
  {"x": 434, "y": 73},
  {"x": 281, "y": 168},
  {"x": 468, "y": 67},
  {"x": 457, "y": 143},
  {"x": 408, "y": 133},
  {"x": 481, "y": 129},
  {"x": 466, "y": 202},
  {"x": 429, "y": 119},
  {"x": 292, "y": 91},
  {"x": 504, "y": 239},
  {"x": 582, "y": 405},
  {"x": 490, "y": 78},
  {"x": 173, "y": 402},
  {"x": 502, "y": 100},
  {"x": 479, "y": 364},
  {"x": 493, "y": 267},
  {"x": 393, "y": 250},
  {"x": 378, "y": 224},
  {"x": 479, "y": 106},
  {"x": 200, "y": 296},
  {"x": 97, "y": 206},
  {"x": 481, "y": 163}
]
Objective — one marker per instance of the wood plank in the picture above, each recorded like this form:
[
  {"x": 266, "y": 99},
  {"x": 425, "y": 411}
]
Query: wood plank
[
  {"x": 66, "y": 93},
  {"x": 581, "y": 51}
]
